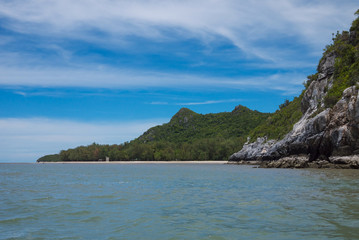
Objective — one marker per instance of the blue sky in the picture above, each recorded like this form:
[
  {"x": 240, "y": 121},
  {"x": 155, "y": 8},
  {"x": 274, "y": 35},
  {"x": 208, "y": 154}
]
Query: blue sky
[{"x": 77, "y": 72}]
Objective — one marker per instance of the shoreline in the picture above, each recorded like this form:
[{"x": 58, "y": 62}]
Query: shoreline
[{"x": 139, "y": 162}]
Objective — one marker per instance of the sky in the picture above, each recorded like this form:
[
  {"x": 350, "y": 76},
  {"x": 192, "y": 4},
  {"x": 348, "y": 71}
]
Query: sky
[{"x": 77, "y": 72}]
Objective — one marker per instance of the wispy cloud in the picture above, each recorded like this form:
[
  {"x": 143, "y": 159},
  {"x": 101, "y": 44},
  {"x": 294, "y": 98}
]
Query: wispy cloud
[
  {"x": 209, "y": 102},
  {"x": 245, "y": 23},
  {"x": 158, "y": 103},
  {"x": 21, "y": 93},
  {"x": 26, "y": 139},
  {"x": 127, "y": 79}
]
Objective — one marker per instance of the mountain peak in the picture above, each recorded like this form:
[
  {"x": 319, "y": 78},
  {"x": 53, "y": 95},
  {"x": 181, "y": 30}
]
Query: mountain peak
[
  {"x": 240, "y": 109},
  {"x": 183, "y": 116},
  {"x": 185, "y": 111}
]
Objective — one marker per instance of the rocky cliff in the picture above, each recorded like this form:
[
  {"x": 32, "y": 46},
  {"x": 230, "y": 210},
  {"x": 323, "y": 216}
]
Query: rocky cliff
[{"x": 327, "y": 133}]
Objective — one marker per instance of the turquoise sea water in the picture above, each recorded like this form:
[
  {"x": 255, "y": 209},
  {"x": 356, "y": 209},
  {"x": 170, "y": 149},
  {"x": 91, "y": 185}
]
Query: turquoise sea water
[{"x": 176, "y": 201}]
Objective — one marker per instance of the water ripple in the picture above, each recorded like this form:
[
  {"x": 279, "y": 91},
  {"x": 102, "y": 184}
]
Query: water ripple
[{"x": 162, "y": 201}]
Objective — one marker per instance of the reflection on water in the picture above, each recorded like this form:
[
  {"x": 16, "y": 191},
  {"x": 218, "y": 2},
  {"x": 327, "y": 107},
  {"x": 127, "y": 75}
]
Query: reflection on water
[{"x": 173, "y": 201}]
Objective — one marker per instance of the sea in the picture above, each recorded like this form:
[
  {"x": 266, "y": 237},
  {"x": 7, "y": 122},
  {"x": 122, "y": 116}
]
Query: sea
[{"x": 176, "y": 201}]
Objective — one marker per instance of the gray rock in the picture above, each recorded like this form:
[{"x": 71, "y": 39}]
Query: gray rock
[
  {"x": 326, "y": 66},
  {"x": 324, "y": 138},
  {"x": 254, "y": 151},
  {"x": 342, "y": 162}
]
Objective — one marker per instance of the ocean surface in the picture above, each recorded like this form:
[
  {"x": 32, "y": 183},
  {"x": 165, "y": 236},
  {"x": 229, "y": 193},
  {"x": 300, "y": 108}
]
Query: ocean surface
[{"x": 176, "y": 201}]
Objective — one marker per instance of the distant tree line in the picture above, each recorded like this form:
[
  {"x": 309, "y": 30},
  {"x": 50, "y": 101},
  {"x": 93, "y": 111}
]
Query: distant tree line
[{"x": 204, "y": 149}]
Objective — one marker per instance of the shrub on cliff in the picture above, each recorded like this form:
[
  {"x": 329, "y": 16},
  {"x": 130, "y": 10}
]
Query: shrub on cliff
[{"x": 346, "y": 68}]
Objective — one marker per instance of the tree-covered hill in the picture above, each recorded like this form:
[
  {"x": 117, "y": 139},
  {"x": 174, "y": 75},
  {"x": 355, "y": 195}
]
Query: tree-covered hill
[
  {"x": 188, "y": 126},
  {"x": 188, "y": 136}
]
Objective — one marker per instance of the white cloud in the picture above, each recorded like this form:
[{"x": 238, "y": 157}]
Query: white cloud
[
  {"x": 158, "y": 103},
  {"x": 26, "y": 139},
  {"x": 209, "y": 102},
  {"x": 197, "y": 103},
  {"x": 126, "y": 79},
  {"x": 245, "y": 23}
]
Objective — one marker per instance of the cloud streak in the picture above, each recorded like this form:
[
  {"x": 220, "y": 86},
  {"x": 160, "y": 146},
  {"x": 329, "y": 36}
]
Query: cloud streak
[
  {"x": 209, "y": 102},
  {"x": 126, "y": 79},
  {"x": 26, "y": 139},
  {"x": 244, "y": 23}
]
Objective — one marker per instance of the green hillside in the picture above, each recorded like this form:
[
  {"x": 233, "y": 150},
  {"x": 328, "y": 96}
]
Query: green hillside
[
  {"x": 281, "y": 122},
  {"x": 188, "y": 126},
  {"x": 188, "y": 136}
]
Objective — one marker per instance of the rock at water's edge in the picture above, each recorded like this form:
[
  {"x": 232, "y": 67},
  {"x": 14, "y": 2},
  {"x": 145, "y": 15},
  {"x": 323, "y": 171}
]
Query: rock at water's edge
[{"x": 320, "y": 135}]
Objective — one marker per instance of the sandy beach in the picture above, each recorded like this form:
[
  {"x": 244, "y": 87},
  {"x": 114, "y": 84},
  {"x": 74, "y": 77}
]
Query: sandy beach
[{"x": 143, "y": 162}]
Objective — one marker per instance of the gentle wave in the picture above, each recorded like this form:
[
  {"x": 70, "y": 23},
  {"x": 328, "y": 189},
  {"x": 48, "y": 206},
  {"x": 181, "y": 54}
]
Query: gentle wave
[
  {"x": 17, "y": 220},
  {"x": 169, "y": 201}
]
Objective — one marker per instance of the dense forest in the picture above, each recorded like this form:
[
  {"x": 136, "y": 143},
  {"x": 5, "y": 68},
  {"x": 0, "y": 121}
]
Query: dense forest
[{"x": 188, "y": 136}]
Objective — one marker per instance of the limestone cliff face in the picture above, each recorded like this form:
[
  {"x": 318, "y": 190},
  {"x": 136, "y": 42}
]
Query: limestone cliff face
[{"x": 321, "y": 133}]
